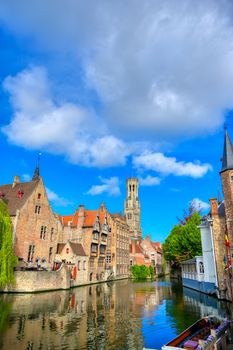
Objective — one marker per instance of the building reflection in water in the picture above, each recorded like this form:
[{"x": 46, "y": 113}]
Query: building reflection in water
[{"x": 120, "y": 315}]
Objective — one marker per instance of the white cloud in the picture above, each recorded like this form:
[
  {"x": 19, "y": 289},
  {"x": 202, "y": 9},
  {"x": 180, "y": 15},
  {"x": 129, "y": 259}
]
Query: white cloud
[
  {"x": 66, "y": 128},
  {"x": 109, "y": 186},
  {"x": 26, "y": 177},
  {"x": 158, "y": 66},
  {"x": 54, "y": 197},
  {"x": 169, "y": 165},
  {"x": 149, "y": 181},
  {"x": 199, "y": 204}
]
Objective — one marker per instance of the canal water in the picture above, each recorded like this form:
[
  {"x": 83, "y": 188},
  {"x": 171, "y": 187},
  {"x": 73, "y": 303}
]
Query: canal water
[{"x": 115, "y": 315}]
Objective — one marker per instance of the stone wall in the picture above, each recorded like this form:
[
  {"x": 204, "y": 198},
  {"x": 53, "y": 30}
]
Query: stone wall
[{"x": 38, "y": 281}]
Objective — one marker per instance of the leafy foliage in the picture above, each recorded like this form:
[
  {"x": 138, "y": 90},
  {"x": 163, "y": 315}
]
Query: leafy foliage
[
  {"x": 7, "y": 258},
  {"x": 184, "y": 241},
  {"x": 141, "y": 272}
]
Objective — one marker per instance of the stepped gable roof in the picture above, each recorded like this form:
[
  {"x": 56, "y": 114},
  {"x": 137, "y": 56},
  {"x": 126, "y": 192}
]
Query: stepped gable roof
[
  {"x": 77, "y": 248},
  {"x": 17, "y": 196},
  {"x": 227, "y": 159}
]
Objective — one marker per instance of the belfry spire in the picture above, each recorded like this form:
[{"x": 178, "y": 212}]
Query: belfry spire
[
  {"x": 227, "y": 159},
  {"x": 36, "y": 174}
]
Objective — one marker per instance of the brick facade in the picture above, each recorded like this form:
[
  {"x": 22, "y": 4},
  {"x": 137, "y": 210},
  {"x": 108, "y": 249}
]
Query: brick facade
[
  {"x": 91, "y": 229},
  {"x": 118, "y": 257},
  {"x": 35, "y": 227}
]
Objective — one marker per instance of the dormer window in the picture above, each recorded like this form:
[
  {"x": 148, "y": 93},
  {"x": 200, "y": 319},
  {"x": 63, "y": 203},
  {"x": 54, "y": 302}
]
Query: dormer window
[
  {"x": 2, "y": 194},
  {"x": 20, "y": 194}
]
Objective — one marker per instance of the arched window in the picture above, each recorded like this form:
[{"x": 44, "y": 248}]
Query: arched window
[
  {"x": 84, "y": 265},
  {"x": 201, "y": 267},
  {"x": 79, "y": 265}
]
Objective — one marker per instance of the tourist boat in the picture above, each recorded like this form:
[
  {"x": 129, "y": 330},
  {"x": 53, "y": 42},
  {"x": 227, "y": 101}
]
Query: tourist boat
[{"x": 208, "y": 333}]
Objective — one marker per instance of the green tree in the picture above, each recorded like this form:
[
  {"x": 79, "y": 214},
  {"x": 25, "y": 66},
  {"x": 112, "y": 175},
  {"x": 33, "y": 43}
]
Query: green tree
[
  {"x": 141, "y": 272},
  {"x": 184, "y": 241},
  {"x": 7, "y": 258}
]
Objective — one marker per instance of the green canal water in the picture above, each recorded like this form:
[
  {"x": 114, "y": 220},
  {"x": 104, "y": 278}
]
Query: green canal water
[{"x": 116, "y": 315}]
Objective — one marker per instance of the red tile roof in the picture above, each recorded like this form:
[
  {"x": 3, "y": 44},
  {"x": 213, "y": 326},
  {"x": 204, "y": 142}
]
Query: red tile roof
[
  {"x": 89, "y": 218},
  {"x": 65, "y": 219}
]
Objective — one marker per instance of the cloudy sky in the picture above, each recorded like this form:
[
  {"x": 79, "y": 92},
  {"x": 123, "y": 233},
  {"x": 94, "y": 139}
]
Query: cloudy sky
[{"x": 113, "y": 89}]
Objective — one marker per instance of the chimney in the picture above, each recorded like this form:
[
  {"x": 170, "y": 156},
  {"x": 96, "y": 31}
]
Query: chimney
[
  {"x": 214, "y": 206},
  {"x": 81, "y": 215},
  {"x": 16, "y": 181},
  {"x": 133, "y": 247}
]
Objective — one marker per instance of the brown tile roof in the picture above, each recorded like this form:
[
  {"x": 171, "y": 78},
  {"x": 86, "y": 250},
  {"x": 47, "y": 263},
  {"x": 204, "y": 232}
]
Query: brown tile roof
[
  {"x": 77, "y": 248},
  {"x": 60, "y": 247},
  {"x": 12, "y": 195}
]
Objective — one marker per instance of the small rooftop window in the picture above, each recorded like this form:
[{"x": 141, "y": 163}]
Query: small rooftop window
[{"x": 20, "y": 194}]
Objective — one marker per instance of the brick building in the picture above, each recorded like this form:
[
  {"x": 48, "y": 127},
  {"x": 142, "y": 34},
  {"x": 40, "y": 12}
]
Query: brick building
[
  {"x": 217, "y": 227},
  {"x": 35, "y": 227},
  {"x": 118, "y": 255},
  {"x": 91, "y": 229},
  {"x": 73, "y": 255},
  {"x": 154, "y": 251},
  {"x": 137, "y": 255}
]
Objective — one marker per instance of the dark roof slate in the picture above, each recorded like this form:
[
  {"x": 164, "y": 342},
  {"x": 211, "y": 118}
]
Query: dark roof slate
[
  {"x": 11, "y": 195},
  {"x": 227, "y": 159}
]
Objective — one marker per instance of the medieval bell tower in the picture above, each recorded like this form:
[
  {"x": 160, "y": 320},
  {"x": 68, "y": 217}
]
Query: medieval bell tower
[{"x": 132, "y": 208}]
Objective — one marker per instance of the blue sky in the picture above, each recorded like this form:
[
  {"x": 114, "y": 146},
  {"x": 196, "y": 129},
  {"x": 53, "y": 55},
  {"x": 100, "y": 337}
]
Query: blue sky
[{"x": 117, "y": 90}]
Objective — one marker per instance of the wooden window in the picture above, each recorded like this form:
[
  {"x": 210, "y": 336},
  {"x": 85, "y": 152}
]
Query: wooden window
[
  {"x": 51, "y": 234},
  {"x": 31, "y": 250},
  {"x": 94, "y": 248},
  {"x": 43, "y": 232},
  {"x": 108, "y": 258},
  {"x": 50, "y": 253},
  {"x": 37, "y": 209}
]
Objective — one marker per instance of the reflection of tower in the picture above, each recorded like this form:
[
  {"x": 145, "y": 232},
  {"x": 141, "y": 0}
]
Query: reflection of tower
[{"x": 132, "y": 208}]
